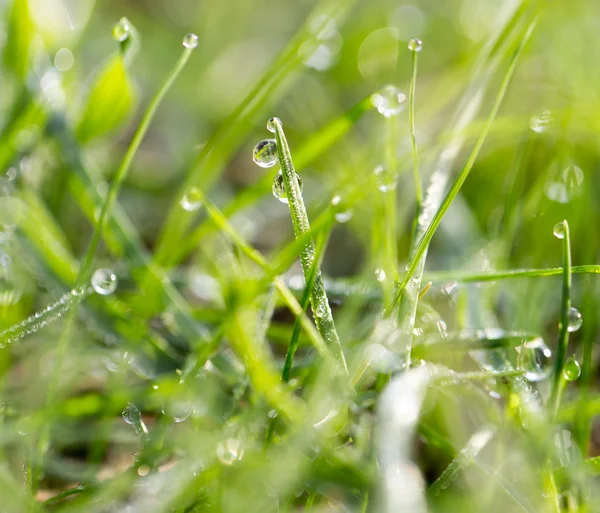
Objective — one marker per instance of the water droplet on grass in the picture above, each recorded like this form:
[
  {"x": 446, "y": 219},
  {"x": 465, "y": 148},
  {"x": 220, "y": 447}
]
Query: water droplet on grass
[
  {"x": 121, "y": 30},
  {"x": 230, "y": 451},
  {"x": 575, "y": 320},
  {"x": 573, "y": 175},
  {"x": 380, "y": 274},
  {"x": 415, "y": 44},
  {"x": 190, "y": 41},
  {"x": 542, "y": 122},
  {"x": 63, "y": 60},
  {"x": 143, "y": 470},
  {"x": 278, "y": 187},
  {"x": 559, "y": 230},
  {"x": 104, "y": 281},
  {"x": 265, "y": 153},
  {"x": 389, "y": 101},
  {"x": 557, "y": 191},
  {"x": 178, "y": 409},
  {"x": 572, "y": 369},
  {"x": 342, "y": 215},
  {"x": 192, "y": 200},
  {"x": 534, "y": 359},
  {"x": 131, "y": 414},
  {"x": 386, "y": 180},
  {"x": 272, "y": 124}
]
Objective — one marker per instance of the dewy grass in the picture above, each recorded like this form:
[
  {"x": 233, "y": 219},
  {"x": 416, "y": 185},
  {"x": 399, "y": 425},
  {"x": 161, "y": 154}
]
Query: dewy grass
[
  {"x": 85, "y": 270},
  {"x": 462, "y": 176},
  {"x": 318, "y": 298}
]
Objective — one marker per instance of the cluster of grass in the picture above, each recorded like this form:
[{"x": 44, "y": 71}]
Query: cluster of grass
[{"x": 380, "y": 316}]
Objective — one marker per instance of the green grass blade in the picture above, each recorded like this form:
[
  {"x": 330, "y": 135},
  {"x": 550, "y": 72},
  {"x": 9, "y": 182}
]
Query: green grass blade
[
  {"x": 560, "y": 357},
  {"x": 319, "y": 301},
  {"x": 462, "y": 176}
]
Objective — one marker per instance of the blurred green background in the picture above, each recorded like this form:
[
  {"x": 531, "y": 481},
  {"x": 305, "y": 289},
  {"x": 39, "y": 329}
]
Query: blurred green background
[{"x": 315, "y": 65}]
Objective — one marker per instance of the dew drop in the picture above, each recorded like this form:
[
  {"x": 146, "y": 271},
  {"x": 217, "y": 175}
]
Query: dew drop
[
  {"x": 541, "y": 123},
  {"x": 192, "y": 200},
  {"x": 572, "y": 369},
  {"x": 558, "y": 192},
  {"x": 389, "y": 101},
  {"x": 559, "y": 230},
  {"x": 534, "y": 359},
  {"x": 575, "y": 320},
  {"x": 178, "y": 409},
  {"x": 386, "y": 180},
  {"x": 573, "y": 175},
  {"x": 121, "y": 30},
  {"x": 278, "y": 187},
  {"x": 265, "y": 153},
  {"x": 143, "y": 470},
  {"x": 104, "y": 281},
  {"x": 380, "y": 275},
  {"x": 131, "y": 414},
  {"x": 190, "y": 41},
  {"x": 230, "y": 451},
  {"x": 63, "y": 60},
  {"x": 342, "y": 214},
  {"x": 272, "y": 124},
  {"x": 415, "y": 44}
]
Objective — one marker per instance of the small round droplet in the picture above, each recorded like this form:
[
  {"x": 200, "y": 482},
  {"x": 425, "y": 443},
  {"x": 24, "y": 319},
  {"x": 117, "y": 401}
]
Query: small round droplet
[
  {"x": 342, "y": 214},
  {"x": 572, "y": 369},
  {"x": 573, "y": 175},
  {"x": 278, "y": 187},
  {"x": 389, "y": 102},
  {"x": 534, "y": 359},
  {"x": 415, "y": 44},
  {"x": 190, "y": 41},
  {"x": 575, "y": 320},
  {"x": 131, "y": 414},
  {"x": 178, "y": 409},
  {"x": 386, "y": 180},
  {"x": 230, "y": 451},
  {"x": 143, "y": 470},
  {"x": 265, "y": 153},
  {"x": 272, "y": 124},
  {"x": 559, "y": 230},
  {"x": 104, "y": 281},
  {"x": 121, "y": 30},
  {"x": 380, "y": 275},
  {"x": 192, "y": 200}
]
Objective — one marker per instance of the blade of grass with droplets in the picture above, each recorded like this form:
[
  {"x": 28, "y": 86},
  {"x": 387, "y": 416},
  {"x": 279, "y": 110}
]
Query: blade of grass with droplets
[
  {"x": 209, "y": 163},
  {"x": 560, "y": 357},
  {"x": 319, "y": 301},
  {"x": 424, "y": 240},
  {"x": 316, "y": 145}
]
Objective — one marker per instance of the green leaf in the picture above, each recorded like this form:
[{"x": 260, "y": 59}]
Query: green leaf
[
  {"x": 20, "y": 33},
  {"x": 110, "y": 102}
]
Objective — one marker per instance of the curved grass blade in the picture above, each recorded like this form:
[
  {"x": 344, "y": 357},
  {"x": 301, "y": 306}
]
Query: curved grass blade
[{"x": 318, "y": 298}]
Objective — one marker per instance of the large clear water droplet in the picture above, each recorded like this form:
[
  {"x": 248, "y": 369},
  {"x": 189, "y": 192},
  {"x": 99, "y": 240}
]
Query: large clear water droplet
[
  {"x": 559, "y": 230},
  {"x": 278, "y": 187},
  {"x": 389, "y": 101},
  {"x": 386, "y": 180},
  {"x": 192, "y": 200},
  {"x": 121, "y": 30},
  {"x": 230, "y": 451},
  {"x": 265, "y": 153},
  {"x": 272, "y": 124},
  {"x": 415, "y": 44},
  {"x": 572, "y": 369},
  {"x": 190, "y": 41},
  {"x": 132, "y": 414},
  {"x": 534, "y": 359},
  {"x": 575, "y": 320},
  {"x": 104, "y": 281}
]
